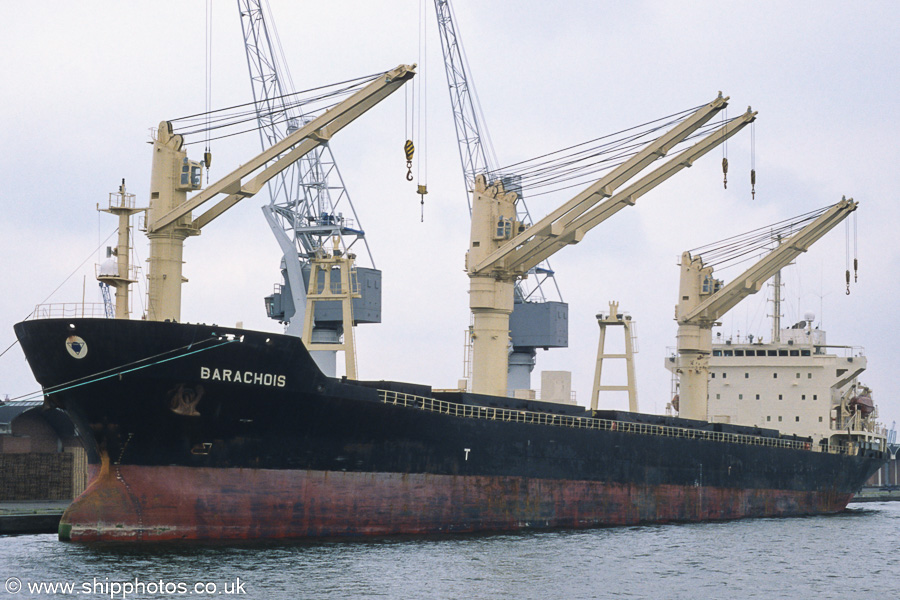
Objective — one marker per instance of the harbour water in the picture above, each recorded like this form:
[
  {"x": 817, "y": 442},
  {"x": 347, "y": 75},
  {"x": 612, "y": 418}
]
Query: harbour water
[{"x": 855, "y": 554}]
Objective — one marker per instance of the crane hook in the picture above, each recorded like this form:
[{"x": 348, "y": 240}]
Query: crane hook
[
  {"x": 725, "y": 172},
  {"x": 753, "y": 184},
  {"x": 848, "y": 281},
  {"x": 422, "y": 190},
  {"x": 410, "y": 150}
]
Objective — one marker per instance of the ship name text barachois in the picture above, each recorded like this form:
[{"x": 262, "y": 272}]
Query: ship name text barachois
[{"x": 238, "y": 376}]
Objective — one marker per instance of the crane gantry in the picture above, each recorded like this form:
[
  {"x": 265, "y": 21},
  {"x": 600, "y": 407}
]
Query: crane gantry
[{"x": 308, "y": 202}]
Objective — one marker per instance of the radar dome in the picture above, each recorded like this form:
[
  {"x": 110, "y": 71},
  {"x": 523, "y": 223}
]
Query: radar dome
[
  {"x": 810, "y": 316},
  {"x": 109, "y": 268}
]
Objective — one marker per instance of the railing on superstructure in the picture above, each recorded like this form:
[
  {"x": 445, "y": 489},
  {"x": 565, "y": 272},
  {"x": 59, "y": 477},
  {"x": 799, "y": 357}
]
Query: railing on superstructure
[
  {"x": 73, "y": 310},
  {"x": 858, "y": 422},
  {"x": 759, "y": 350},
  {"x": 538, "y": 418}
]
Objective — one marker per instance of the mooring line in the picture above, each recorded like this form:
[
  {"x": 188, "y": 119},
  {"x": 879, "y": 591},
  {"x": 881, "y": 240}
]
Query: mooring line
[{"x": 62, "y": 387}]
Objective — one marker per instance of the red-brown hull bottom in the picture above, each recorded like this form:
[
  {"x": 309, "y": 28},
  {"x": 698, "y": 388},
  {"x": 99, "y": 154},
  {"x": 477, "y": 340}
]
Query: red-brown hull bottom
[{"x": 137, "y": 503}]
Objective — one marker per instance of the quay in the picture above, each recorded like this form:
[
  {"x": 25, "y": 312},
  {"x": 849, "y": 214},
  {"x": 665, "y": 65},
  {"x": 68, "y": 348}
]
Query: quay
[{"x": 31, "y": 516}]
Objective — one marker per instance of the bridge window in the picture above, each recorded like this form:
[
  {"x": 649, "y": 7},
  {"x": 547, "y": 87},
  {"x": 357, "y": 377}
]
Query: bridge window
[{"x": 504, "y": 229}]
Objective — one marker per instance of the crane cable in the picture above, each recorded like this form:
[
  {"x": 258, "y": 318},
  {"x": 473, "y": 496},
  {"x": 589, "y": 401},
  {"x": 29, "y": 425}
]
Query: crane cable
[
  {"x": 352, "y": 85},
  {"x": 50, "y": 295},
  {"x": 585, "y": 163},
  {"x": 729, "y": 250},
  {"x": 753, "y": 160},
  {"x": 409, "y": 148},
  {"x": 207, "y": 155},
  {"x": 422, "y": 89},
  {"x": 230, "y": 117},
  {"x": 847, "y": 253},
  {"x": 855, "y": 247},
  {"x": 724, "y": 149}
]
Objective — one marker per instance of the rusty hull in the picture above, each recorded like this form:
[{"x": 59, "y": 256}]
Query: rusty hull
[{"x": 136, "y": 503}]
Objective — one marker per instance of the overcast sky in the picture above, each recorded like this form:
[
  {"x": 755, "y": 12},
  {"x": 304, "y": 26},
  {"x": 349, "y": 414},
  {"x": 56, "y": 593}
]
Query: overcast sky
[{"x": 89, "y": 80}]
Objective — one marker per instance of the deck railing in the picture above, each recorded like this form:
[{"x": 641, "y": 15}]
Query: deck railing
[
  {"x": 72, "y": 310},
  {"x": 538, "y": 418}
]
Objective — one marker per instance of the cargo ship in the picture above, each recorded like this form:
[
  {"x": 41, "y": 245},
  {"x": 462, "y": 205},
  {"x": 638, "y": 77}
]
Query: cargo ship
[
  {"x": 203, "y": 432},
  {"x": 199, "y": 432}
]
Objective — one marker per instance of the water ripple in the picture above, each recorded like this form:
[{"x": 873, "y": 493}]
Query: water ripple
[{"x": 837, "y": 556}]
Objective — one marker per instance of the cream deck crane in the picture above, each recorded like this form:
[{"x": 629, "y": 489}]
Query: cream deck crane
[
  {"x": 502, "y": 249},
  {"x": 531, "y": 307},
  {"x": 702, "y": 301},
  {"x": 169, "y": 217}
]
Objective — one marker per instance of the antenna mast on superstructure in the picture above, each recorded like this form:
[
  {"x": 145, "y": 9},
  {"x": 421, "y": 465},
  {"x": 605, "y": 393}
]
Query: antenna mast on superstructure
[
  {"x": 776, "y": 308},
  {"x": 776, "y": 303}
]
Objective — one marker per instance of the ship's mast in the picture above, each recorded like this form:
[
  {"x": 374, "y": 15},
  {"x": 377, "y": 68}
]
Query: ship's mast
[
  {"x": 776, "y": 304},
  {"x": 776, "y": 308},
  {"x": 121, "y": 204}
]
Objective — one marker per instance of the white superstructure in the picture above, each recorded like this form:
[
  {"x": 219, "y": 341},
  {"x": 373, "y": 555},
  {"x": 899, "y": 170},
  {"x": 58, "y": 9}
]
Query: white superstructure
[{"x": 798, "y": 384}]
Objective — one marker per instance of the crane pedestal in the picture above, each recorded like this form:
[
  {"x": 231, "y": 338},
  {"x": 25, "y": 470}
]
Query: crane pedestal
[
  {"x": 693, "y": 384},
  {"x": 491, "y": 302}
]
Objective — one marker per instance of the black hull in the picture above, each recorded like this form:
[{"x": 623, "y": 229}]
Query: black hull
[{"x": 156, "y": 399}]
